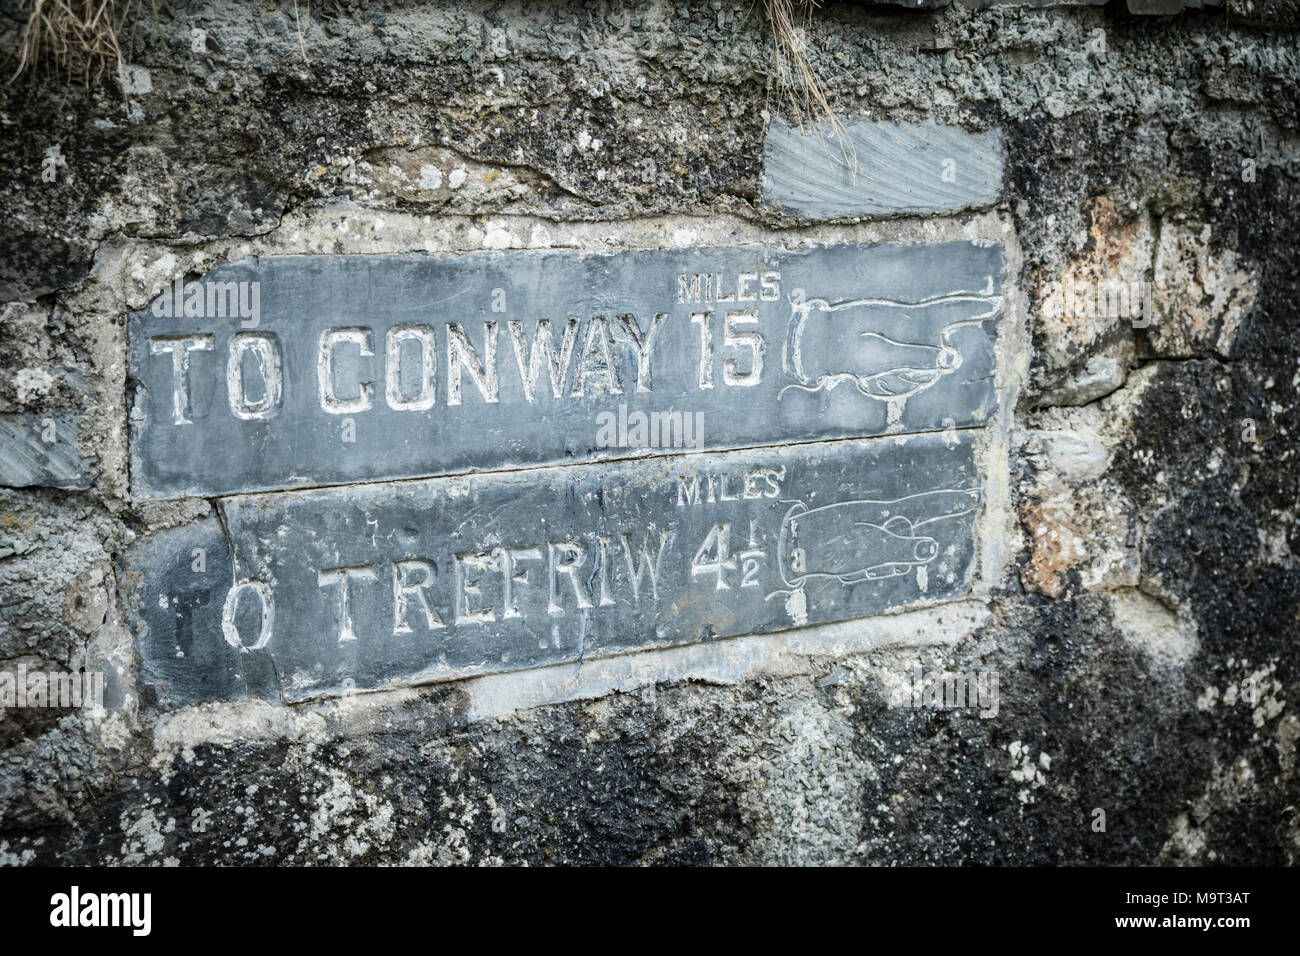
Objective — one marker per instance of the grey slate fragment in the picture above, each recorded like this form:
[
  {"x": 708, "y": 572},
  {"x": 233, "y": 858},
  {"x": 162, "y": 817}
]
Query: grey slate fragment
[
  {"x": 1037, "y": 4},
  {"x": 1147, "y": 7},
  {"x": 803, "y": 345},
  {"x": 1164, "y": 8},
  {"x": 40, "y": 450},
  {"x": 398, "y": 584},
  {"x": 879, "y": 169}
]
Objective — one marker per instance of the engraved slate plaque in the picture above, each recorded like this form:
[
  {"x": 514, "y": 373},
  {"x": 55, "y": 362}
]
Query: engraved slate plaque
[
  {"x": 369, "y": 586},
  {"x": 298, "y": 371}
]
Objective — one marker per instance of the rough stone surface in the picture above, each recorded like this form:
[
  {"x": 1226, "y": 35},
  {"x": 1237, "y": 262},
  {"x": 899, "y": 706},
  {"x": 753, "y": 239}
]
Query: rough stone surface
[{"x": 1150, "y": 673}]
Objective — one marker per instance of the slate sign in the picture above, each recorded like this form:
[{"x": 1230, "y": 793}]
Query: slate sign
[
  {"x": 598, "y": 454},
  {"x": 300, "y": 371},
  {"x": 316, "y": 592}
]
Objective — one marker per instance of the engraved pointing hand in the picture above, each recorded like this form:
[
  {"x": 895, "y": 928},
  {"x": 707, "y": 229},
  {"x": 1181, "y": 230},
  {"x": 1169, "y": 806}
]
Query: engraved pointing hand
[
  {"x": 829, "y": 345},
  {"x": 866, "y": 540}
]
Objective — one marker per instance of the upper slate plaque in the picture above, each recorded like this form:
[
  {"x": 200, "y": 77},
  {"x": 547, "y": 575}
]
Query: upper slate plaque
[{"x": 296, "y": 371}]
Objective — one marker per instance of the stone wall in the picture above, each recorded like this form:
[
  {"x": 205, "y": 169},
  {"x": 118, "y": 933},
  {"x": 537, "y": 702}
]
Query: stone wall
[{"x": 1138, "y": 593}]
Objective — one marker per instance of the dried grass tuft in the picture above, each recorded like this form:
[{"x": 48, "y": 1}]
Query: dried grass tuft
[
  {"x": 77, "y": 37},
  {"x": 797, "y": 85}
]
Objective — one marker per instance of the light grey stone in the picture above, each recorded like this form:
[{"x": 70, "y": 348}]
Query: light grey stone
[
  {"x": 869, "y": 168},
  {"x": 1166, "y": 8},
  {"x": 1101, "y": 375}
]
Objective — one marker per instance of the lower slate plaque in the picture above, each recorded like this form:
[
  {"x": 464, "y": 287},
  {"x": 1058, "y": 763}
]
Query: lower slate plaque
[
  {"x": 300, "y": 594},
  {"x": 298, "y": 371}
]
